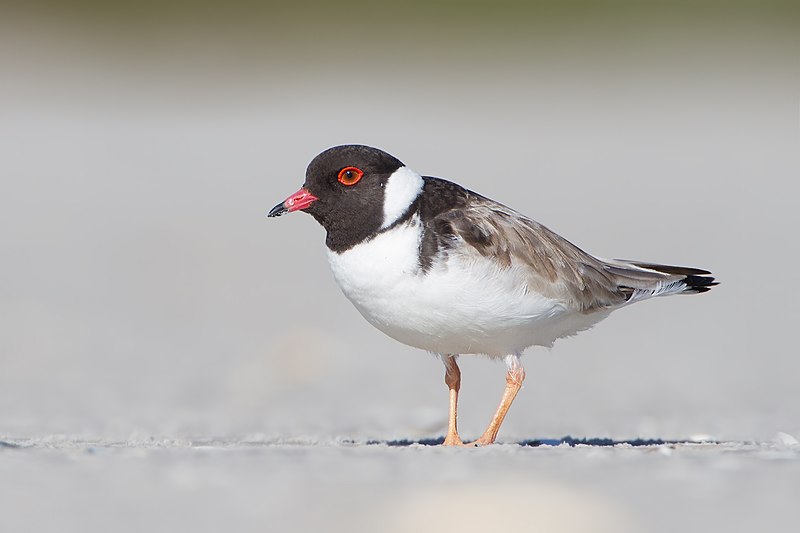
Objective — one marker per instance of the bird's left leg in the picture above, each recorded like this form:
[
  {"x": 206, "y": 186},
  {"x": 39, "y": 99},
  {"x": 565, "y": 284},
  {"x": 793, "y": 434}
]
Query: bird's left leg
[
  {"x": 514, "y": 378},
  {"x": 452, "y": 378}
]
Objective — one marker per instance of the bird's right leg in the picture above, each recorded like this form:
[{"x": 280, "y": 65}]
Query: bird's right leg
[
  {"x": 452, "y": 377},
  {"x": 514, "y": 378}
]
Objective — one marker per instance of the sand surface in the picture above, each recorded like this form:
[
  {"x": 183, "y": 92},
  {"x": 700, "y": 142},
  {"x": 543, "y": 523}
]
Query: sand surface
[{"x": 253, "y": 484}]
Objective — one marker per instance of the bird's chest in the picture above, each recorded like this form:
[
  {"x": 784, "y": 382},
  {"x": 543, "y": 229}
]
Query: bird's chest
[{"x": 378, "y": 275}]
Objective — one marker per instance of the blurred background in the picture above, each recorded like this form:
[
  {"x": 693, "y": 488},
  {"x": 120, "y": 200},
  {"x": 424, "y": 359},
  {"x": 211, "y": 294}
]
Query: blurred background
[
  {"x": 143, "y": 292},
  {"x": 143, "y": 289}
]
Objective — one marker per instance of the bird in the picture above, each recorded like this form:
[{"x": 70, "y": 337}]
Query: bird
[{"x": 441, "y": 268}]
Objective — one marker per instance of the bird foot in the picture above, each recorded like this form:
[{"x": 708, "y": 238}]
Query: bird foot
[
  {"x": 452, "y": 439},
  {"x": 481, "y": 442}
]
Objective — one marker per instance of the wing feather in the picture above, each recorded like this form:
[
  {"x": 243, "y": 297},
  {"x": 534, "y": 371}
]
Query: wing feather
[{"x": 551, "y": 265}]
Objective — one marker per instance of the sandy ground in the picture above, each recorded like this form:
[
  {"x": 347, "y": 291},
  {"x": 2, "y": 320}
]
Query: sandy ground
[
  {"x": 64, "y": 484},
  {"x": 170, "y": 360}
]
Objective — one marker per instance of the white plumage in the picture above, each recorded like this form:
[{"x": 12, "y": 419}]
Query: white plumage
[
  {"x": 458, "y": 307},
  {"x": 402, "y": 188}
]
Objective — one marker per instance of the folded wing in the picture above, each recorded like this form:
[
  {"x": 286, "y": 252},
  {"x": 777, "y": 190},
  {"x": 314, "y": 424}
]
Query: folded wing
[{"x": 553, "y": 266}]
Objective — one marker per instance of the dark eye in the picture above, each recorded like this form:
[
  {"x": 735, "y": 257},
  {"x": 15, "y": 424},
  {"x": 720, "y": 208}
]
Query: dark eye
[{"x": 350, "y": 175}]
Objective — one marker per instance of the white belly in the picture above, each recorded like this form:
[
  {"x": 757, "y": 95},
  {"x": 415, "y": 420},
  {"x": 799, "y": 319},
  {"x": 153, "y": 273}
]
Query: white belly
[{"x": 460, "y": 306}]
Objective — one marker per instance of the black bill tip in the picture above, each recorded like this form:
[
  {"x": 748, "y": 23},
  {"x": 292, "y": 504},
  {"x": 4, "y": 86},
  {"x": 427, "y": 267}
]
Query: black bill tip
[{"x": 278, "y": 210}]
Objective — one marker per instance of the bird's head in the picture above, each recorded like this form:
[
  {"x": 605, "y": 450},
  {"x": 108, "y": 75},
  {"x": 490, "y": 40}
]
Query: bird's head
[{"x": 353, "y": 191}]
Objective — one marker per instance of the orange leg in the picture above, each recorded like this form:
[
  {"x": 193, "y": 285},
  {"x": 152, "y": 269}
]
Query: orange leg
[
  {"x": 452, "y": 377},
  {"x": 514, "y": 378}
]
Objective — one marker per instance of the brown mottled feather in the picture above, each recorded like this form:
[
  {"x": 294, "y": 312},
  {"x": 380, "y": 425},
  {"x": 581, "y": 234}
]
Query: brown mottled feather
[{"x": 554, "y": 267}]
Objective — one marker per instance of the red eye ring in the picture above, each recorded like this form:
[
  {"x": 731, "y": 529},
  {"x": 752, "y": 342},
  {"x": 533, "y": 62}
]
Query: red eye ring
[{"x": 350, "y": 175}]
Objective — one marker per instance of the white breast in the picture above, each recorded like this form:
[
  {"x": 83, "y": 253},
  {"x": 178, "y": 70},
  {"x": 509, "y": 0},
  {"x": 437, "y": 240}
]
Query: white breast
[{"x": 467, "y": 304}]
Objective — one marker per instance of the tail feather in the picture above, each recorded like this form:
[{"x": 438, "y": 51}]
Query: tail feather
[
  {"x": 646, "y": 280},
  {"x": 697, "y": 284},
  {"x": 667, "y": 269}
]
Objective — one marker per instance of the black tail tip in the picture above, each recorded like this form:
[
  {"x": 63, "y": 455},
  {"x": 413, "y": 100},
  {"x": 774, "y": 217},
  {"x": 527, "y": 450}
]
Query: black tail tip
[{"x": 699, "y": 284}]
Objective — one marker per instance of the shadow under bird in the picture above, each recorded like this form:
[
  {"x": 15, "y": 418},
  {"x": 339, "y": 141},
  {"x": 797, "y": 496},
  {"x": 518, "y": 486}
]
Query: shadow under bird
[{"x": 441, "y": 268}]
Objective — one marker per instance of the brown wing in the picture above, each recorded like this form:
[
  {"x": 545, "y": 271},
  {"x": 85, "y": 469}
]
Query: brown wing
[{"x": 554, "y": 267}]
